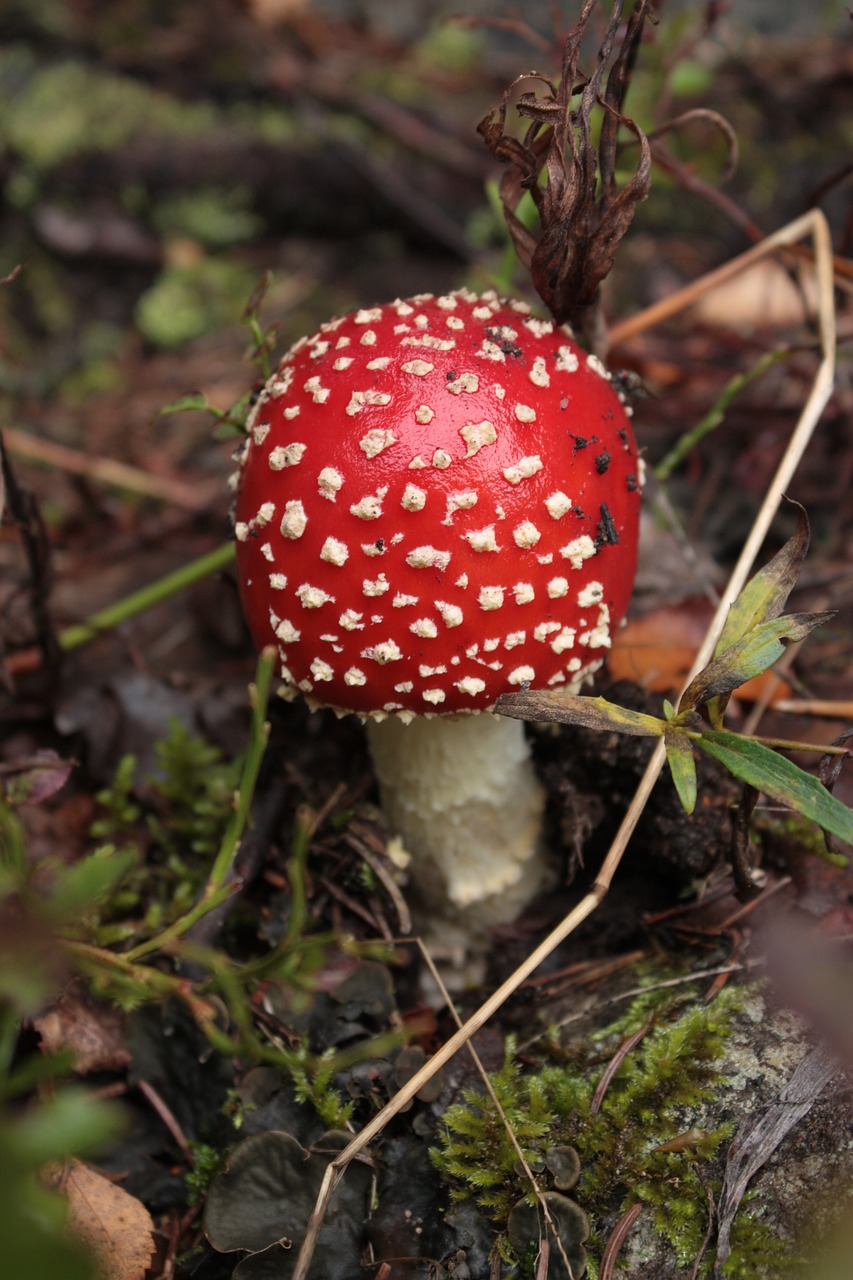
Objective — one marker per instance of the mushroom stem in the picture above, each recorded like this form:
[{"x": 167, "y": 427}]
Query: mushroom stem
[{"x": 462, "y": 795}]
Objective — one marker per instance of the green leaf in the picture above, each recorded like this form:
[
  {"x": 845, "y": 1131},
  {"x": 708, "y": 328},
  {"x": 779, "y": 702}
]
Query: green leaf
[
  {"x": 749, "y": 656},
  {"x": 765, "y": 594},
  {"x": 72, "y": 1122},
  {"x": 197, "y": 401},
  {"x": 762, "y": 599},
  {"x": 81, "y": 885},
  {"x": 570, "y": 708},
  {"x": 682, "y": 766},
  {"x": 779, "y": 778}
]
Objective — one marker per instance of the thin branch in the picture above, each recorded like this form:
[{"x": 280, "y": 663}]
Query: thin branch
[
  {"x": 814, "y": 224},
  {"x": 188, "y": 494}
]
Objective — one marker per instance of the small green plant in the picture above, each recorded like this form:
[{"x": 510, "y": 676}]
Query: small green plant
[
  {"x": 206, "y": 1163},
  {"x": 174, "y": 835},
  {"x": 312, "y": 1080},
  {"x": 231, "y": 423},
  {"x": 639, "y": 1138},
  {"x": 753, "y": 639}
]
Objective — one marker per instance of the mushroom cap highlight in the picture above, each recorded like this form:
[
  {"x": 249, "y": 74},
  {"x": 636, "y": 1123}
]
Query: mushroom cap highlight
[{"x": 437, "y": 503}]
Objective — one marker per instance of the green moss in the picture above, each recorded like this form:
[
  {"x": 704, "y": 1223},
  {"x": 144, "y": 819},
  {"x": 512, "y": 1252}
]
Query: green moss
[
  {"x": 54, "y": 112},
  {"x": 757, "y": 1250},
  {"x": 645, "y": 1142},
  {"x": 216, "y": 217},
  {"x": 186, "y": 302}
]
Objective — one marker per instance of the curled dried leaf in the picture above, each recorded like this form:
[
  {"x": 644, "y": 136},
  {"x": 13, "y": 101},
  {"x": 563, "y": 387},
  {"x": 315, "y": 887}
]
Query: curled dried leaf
[{"x": 582, "y": 212}]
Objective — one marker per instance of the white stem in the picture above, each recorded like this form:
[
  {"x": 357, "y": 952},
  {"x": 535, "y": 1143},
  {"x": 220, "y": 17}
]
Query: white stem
[{"x": 462, "y": 795}]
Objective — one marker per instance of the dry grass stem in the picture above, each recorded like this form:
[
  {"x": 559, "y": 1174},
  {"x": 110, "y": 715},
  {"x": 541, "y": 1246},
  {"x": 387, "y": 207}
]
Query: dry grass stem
[
  {"x": 840, "y": 710},
  {"x": 617, "y": 1239},
  {"x": 490, "y": 1090},
  {"x": 811, "y": 224}
]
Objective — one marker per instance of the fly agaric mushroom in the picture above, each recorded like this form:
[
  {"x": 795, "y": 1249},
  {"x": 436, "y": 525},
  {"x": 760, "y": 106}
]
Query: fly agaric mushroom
[{"x": 437, "y": 503}]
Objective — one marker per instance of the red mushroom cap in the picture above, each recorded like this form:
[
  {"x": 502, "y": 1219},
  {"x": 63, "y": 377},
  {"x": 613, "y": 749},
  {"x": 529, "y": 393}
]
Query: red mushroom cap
[{"x": 437, "y": 503}]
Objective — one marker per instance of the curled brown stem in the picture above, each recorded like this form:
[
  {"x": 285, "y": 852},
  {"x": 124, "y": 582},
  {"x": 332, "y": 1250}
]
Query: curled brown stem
[{"x": 582, "y": 211}]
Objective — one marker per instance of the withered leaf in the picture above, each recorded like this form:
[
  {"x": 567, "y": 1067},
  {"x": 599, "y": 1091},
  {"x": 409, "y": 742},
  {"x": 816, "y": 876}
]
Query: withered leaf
[
  {"x": 93, "y": 1030},
  {"x": 571, "y": 708},
  {"x": 115, "y": 1225},
  {"x": 582, "y": 211}
]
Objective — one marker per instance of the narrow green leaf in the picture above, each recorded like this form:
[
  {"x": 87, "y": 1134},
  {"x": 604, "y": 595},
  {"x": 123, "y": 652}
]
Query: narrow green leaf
[
  {"x": 682, "y": 766},
  {"x": 779, "y": 778},
  {"x": 92, "y": 878},
  {"x": 570, "y": 708},
  {"x": 195, "y": 401},
  {"x": 762, "y": 599},
  {"x": 752, "y": 654},
  {"x": 764, "y": 596}
]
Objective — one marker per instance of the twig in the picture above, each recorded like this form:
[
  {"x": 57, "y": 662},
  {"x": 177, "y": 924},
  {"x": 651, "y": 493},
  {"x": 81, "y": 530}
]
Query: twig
[
  {"x": 82, "y": 633},
  {"x": 386, "y": 880},
  {"x": 814, "y": 224},
  {"x": 757, "y": 1140},
  {"x": 667, "y": 307},
  {"x": 191, "y": 495},
  {"x": 616, "y": 1240},
  {"x": 836, "y": 710},
  {"x": 490, "y": 1090},
  {"x": 613, "y": 1066},
  {"x": 167, "y": 1116}
]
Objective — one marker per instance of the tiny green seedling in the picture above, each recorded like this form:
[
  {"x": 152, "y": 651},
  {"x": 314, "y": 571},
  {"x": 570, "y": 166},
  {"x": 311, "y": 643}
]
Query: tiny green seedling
[{"x": 752, "y": 640}]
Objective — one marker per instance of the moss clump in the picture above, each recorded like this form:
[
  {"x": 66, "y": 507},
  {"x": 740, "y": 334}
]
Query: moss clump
[{"x": 644, "y": 1143}]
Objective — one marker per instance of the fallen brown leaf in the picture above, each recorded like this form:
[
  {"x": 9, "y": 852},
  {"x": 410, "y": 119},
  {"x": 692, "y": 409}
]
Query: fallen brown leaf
[
  {"x": 116, "y": 1226},
  {"x": 95, "y": 1031},
  {"x": 657, "y": 650}
]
